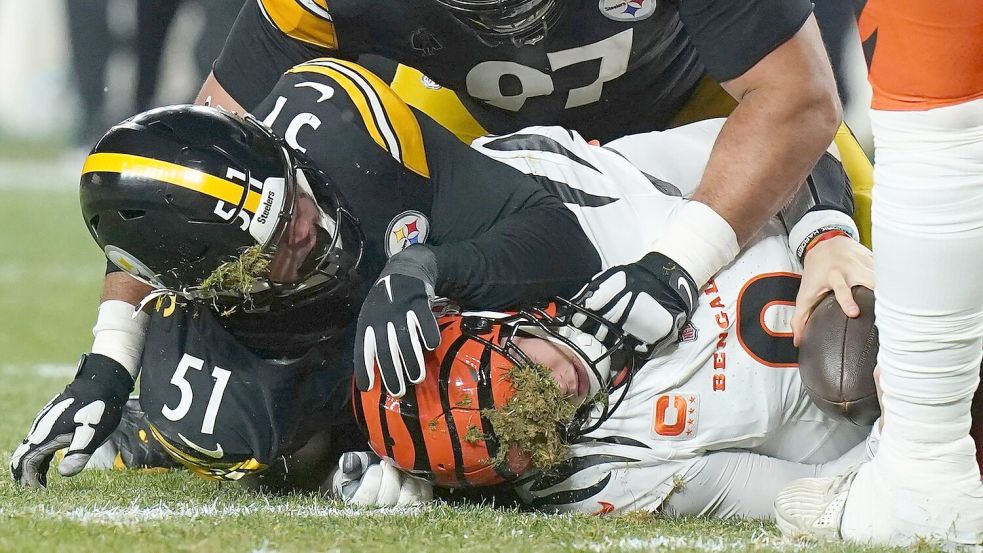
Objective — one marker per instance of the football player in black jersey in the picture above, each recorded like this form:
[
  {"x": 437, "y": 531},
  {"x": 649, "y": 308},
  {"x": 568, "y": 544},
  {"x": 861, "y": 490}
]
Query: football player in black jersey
[
  {"x": 260, "y": 239},
  {"x": 605, "y": 68}
]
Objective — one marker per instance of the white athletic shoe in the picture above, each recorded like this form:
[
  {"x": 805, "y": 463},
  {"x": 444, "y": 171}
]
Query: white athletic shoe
[
  {"x": 884, "y": 507},
  {"x": 813, "y": 507}
]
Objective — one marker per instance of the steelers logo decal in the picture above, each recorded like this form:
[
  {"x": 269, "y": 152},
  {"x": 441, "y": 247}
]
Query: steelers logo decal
[
  {"x": 429, "y": 83},
  {"x": 132, "y": 265},
  {"x": 627, "y": 10},
  {"x": 406, "y": 229}
]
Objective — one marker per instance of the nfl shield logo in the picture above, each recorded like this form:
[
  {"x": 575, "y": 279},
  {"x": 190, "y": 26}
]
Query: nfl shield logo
[{"x": 688, "y": 333}]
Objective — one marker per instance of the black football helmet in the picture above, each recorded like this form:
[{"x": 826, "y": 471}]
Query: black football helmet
[
  {"x": 173, "y": 193},
  {"x": 517, "y": 21}
]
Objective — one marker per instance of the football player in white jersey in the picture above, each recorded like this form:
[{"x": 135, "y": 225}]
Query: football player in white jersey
[{"x": 715, "y": 423}]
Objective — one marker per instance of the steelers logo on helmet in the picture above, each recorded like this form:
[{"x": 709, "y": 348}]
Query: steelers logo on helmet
[
  {"x": 407, "y": 228},
  {"x": 627, "y": 10},
  {"x": 133, "y": 266},
  {"x": 201, "y": 201}
]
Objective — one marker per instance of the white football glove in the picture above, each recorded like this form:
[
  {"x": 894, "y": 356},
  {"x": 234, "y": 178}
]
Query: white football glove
[{"x": 364, "y": 480}]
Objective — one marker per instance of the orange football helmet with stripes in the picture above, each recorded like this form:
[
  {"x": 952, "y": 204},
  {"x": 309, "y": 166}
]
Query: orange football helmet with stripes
[{"x": 425, "y": 432}]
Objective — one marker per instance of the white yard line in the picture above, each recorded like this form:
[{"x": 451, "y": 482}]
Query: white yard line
[
  {"x": 663, "y": 543},
  {"x": 50, "y": 272},
  {"x": 42, "y": 370},
  {"x": 137, "y": 514},
  {"x": 47, "y": 174}
]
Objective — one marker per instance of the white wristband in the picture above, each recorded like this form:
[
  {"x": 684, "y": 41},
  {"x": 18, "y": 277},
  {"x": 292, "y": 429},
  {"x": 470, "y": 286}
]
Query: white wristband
[
  {"x": 120, "y": 335},
  {"x": 699, "y": 240}
]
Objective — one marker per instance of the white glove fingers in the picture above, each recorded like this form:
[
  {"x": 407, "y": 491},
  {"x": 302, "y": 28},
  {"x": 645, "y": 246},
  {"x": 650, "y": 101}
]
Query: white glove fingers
[
  {"x": 368, "y": 489},
  {"x": 369, "y": 359},
  {"x": 414, "y": 492},
  {"x": 616, "y": 314},
  {"x": 392, "y": 482},
  {"x": 416, "y": 370},
  {"x": 607, "y": 291}
]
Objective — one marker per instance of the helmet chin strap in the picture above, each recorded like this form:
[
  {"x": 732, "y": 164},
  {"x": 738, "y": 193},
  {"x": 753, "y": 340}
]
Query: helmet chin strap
[{"x": 157, "y": 293}]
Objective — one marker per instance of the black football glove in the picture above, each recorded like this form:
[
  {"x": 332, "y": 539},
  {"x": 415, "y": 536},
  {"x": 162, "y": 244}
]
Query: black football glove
[
  {"x": 397, "y": 323},
  {"x": 80, "y": 418},
  {"x": 649, "y": 299}
]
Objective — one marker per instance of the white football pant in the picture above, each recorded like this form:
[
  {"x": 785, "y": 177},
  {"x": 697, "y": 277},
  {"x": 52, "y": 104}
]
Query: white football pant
[{"x": 928, "y": 257}]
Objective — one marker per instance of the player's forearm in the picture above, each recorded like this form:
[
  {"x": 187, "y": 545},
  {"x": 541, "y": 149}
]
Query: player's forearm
[
  {"x": 121, "y": 286},
  {"x": 764, "y": 152},
  {"x": 120, "y": 331},
  {"x": 531, "y": 255}
]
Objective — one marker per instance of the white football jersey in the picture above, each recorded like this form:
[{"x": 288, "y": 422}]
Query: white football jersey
[{"x": 731, "y": 382}]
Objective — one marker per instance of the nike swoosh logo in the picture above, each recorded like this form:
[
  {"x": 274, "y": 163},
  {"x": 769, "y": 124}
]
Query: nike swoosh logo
[
  {"x": 217, "y": 453},
  {"x": 389, "y": 287},
  {"x": 683, "y": 286}
]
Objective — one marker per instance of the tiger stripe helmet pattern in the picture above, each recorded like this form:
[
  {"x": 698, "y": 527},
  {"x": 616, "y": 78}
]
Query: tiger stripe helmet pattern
[{"x": 436, "y": 431}]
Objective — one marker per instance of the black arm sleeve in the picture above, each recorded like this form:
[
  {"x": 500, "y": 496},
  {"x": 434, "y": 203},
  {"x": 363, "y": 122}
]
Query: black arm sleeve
[
  {"x": 731, "y": 36},
  {"x": 500, "y": 239},
  {"x": 256, "y": 54},
  {"x": 826, "y": 188}
]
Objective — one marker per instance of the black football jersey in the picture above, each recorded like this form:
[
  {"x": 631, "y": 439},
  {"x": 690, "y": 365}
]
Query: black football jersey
[
  {"x": 496, "y": 232},
  {"x": 609, "y": 68}
]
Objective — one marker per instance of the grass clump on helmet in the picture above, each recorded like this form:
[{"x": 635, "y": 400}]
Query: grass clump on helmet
[
  {"x": 197, "y": 201},
  {"x": 487, "y": 414}
]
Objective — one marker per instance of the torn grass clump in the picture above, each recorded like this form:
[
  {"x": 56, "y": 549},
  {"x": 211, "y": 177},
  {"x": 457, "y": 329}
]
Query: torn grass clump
[
  {"x": 237, "y": 277},
  {"x": 532, "y": 419}
]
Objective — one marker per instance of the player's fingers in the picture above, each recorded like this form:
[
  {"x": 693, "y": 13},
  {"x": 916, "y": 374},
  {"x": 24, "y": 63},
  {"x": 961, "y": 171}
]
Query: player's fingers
[
  {"x": 844, "y": 296},
  {"x": 73, "y": 463},
  {"x": 365, "y": 360},
  {"x": 35, "y": 463},
  {"x": 389, "y": 489},
  {"x": 411, "y": 350},
  {"x": 609, "y": 289},
  {"x": 354, "y": 463},
  {"x": 368, "y": 489},
  {"x": 391, "y": 363},
  {"x": 429, "y": 330},
  {"x": 616, "y": 314}
]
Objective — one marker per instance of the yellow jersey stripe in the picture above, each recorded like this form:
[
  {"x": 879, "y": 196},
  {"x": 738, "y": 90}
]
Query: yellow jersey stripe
[
  {"x": 304, "y": 20},
  {"x": 389, "y": 121},
  {"x": 441, "y": 104},
  {"x": 172, "y": 173}
]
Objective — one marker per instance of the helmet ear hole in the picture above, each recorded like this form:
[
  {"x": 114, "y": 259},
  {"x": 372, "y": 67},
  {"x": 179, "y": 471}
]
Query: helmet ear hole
[
  {"x": 94, "y": 223},
  {"x": 131, "y": 214}
]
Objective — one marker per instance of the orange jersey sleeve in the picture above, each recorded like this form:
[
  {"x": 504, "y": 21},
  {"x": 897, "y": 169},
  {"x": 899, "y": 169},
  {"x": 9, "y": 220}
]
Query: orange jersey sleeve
[{"x": 923, "y": 53}]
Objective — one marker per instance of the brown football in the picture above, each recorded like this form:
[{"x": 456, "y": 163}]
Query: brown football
[{"x": 837, "y": 357}]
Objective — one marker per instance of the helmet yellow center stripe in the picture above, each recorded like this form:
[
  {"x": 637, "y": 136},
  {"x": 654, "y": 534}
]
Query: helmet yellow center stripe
[{"x": 172, "y": 173}]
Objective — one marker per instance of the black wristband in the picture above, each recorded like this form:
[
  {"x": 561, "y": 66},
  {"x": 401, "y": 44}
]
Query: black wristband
[{"x": 675, "y": 277}]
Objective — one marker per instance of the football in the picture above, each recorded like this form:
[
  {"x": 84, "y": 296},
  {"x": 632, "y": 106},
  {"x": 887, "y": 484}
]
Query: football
[{"x": 837, "y": 357}]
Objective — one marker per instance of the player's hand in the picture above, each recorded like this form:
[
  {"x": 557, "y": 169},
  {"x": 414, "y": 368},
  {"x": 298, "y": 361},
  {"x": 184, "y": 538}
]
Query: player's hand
[
  {"x": 650, "y": 300},
  {"x": 80, "y": 418},
  {"x": 365, "y": 480},
  {"x": 836, "y": 265},
  {"x": 396, "y": 323}
]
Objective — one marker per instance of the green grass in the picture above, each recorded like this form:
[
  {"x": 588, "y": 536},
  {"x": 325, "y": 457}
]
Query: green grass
[{"x": 49, "y": 284}]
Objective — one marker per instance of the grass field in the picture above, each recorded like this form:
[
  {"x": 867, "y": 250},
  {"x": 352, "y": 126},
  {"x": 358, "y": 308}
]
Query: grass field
[{"x": 49, "y": 284}]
